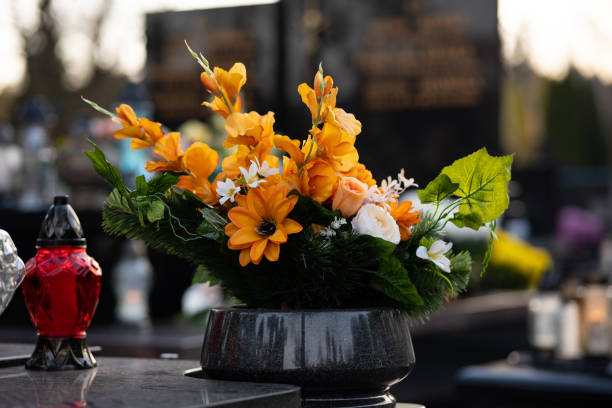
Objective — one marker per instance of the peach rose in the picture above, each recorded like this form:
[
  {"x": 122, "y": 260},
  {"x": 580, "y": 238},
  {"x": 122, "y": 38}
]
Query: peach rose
[{"x": 349, "y": 196}]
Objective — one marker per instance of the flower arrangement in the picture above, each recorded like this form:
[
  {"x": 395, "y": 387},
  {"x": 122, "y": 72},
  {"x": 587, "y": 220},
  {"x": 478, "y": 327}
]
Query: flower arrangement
[{"x": 289, "y": 223}]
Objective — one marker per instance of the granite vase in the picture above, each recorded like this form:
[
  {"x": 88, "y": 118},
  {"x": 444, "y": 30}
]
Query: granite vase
[{"x": 339, "y": 357}]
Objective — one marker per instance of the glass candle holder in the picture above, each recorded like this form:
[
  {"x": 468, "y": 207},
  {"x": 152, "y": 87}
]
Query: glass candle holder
[{"x": 61, "y": 291}]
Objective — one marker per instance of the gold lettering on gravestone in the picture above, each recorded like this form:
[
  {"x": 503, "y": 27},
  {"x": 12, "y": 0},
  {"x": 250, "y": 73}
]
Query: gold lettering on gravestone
[{"x": 419, "y": 61}]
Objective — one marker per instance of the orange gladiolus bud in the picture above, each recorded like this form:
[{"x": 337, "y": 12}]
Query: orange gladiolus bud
[
  {"x": 328, "y": 83},
  {"x": 349, "y": 196},
  {"x": 209, "y": 83}
]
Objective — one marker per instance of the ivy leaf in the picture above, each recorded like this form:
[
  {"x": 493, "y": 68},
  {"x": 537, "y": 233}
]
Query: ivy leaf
[
  {"x": 156, "y": 211},
  {"x": 213, "y": 225},
  {"x": 393, "y": 280},
  {"x": 437, "y": 189},
  {"x": 483, "y": 187},
  {"x": 106, "y": 169},
  {"x": 162, "y": 183}
]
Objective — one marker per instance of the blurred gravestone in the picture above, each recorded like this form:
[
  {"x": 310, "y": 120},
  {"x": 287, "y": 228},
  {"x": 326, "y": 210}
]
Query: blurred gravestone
[{"x": 421, "y": 75}]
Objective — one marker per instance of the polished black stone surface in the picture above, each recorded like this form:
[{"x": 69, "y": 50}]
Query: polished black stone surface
[
  {"x": 123, "y": 382},
  {"x": 340, "y": 358}
]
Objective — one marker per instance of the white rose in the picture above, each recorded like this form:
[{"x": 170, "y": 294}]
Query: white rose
[{"x": 376, "y": 221}]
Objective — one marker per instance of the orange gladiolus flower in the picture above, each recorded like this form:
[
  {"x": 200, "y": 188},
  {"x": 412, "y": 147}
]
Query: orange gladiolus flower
[
  {"x": 143, "y": 132},
  {"x": 318, "y": 180},
  {"x": 169, "y": 149},
  {"x": 403, "y": 216},
  {"x": 225, "y": 86},
  {"x": 248, "y": 128},
  {"x": 337, "y": 146},
  {"x": 322, "y": 106},
  {"x": 260, "y": 224},
  {"x": 361, "y": 173},
  {"x": 200, "y": 161}
]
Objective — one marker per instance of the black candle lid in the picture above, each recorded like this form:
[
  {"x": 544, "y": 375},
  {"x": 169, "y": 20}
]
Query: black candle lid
[{"x": 61, "y": 225}]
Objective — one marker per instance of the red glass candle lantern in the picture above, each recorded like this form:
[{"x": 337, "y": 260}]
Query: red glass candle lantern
[{"x": 61, "y": 291}]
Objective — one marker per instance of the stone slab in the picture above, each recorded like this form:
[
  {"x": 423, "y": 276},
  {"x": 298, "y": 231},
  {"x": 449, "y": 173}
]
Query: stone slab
[{"x": 129, "y": 382}]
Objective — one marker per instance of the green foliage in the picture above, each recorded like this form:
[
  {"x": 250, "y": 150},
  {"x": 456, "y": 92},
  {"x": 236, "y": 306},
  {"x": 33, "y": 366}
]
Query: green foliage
[
  {"x": 106, "y": 169},
  {"x": 307, "y": 211},
  {"x": 489, "y": 251},
  {"x": 98, "y": 107},
  {"x": 393, "y": 280},
  {"x": 483, "y": 187},
  {"x": 313, "y": 271},
  {"x": 437, "y": 190}
]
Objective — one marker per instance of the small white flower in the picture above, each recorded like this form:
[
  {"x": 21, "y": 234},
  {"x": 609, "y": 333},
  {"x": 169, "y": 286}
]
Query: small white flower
[
  {"x": 227, "y": 190},
  {"x": 374, "y": 220},
  {"x": 436, "y": 254},
  {"x": 337, "y": 222},
  {"x": 265, "y": 170},
  {"x": 251, "y": 176},
  {"x": 327, "y": 232}
]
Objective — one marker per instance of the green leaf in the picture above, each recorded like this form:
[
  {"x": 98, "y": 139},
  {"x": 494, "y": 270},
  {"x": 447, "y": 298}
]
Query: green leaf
[
  {"x": 487, "y": 256},
  {"x": 156, "y": 211},
  {"x": 393, "y": 280},
  {"x": 437, "y": 190},
  {"x": 307, "y": 211},
  {"x": 141, "y": 185},
  {"x": 162, "y": 183},
  {"x": 106, "y": 169},
  {"x": 483, "y": 187},
  {"x": 98, "y": 108}
]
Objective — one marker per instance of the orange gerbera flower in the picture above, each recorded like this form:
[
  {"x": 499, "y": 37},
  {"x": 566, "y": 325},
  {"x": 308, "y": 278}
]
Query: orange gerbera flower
[
  {"x": 404, "y": 217},
  {"x": 260, "y": 224},
  {"x": 225, "y": 85},
  {"x": 143, "y": 132},
  {"x": 200, "y": 161},
  {"x": 169, "y": 149}
]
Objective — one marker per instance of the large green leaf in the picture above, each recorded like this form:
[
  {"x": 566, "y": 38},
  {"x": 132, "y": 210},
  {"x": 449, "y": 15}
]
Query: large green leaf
[
  {"x": 393, "y": 280},
  {"x": 437, "y": 189},
  {"x": 162, "y": 183},
  {"x": 483, "y": 187}
]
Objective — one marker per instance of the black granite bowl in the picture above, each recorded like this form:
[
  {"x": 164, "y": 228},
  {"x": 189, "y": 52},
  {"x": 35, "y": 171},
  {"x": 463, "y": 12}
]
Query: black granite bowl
[{"x": 340, "y": 358}]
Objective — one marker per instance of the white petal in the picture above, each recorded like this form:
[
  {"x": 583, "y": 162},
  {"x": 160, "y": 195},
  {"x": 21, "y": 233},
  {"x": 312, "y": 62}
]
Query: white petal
[
  {"x": 421, "y": 252},
  {"x": 440, "y": 248},
  {"x": 223, "y": 200},
  {"x": 443, "y": 263}
]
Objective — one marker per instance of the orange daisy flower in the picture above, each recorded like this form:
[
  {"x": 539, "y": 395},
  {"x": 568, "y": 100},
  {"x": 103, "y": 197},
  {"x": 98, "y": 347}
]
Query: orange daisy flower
[
  {"x": 404, "y": 218},
  {"x": 260, "y": 224}
]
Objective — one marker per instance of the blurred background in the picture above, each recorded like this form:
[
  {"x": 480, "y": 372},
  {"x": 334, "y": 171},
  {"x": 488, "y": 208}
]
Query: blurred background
[{"x": 430, "y": 80}]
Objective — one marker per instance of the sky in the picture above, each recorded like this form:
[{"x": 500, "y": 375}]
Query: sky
[{"x": 551, "y": 35}]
